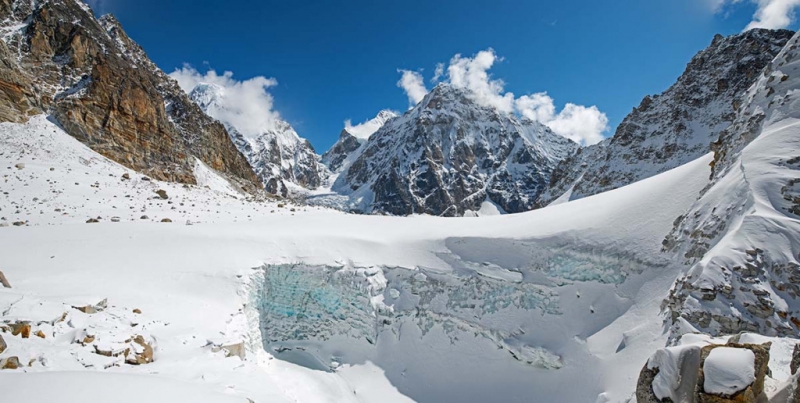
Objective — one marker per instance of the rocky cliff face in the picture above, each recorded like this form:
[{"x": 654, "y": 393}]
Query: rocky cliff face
[
  {"x": 448, "y": 155},
  {"x": 278, "y": 154},
  {"x": 101, "y": 87},
  {"x": 741, "y": 238},
  {"x": 676, "y": 127},
  {"x": 350, "y": 141}
]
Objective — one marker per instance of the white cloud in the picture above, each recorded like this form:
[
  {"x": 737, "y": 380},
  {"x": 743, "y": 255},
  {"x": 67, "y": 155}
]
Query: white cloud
[
  {"x": 770, "y": 14},
  {"x": 582, "y": 124},
  {"x": 472, "y": 74},
  {"x": 773, "y": 14},
  {"x": 438, "y": 73},
  {"x": 413, "y": 84},
  {"x": 246, "y": 105}
]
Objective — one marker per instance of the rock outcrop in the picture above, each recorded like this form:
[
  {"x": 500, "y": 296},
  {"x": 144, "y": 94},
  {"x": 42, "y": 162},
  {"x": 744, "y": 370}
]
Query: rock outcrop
[
  {"x": 678, "y": 126},
  {"x": 449, "y": 155},
  {"x": 678, "y": 374},
  {"x": 749, "y": 282},
  {"x": 57, "y": 58}
]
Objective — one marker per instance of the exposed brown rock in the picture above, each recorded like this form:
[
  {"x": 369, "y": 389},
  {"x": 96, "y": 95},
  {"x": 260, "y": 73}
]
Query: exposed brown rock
[
  {"x": 10, "y": 363},
  {"x": 4, "y": 280},
  {"x": 145, "y": 357},
  {"x": 90, "y": 309},
  {"x": 21, "y": 329},
  {"x": 101, "y": 87},
  {"x": 3, "y": 345}
]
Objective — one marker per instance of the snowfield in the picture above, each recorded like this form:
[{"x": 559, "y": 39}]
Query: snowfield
[{"x": 560, "y": 303}]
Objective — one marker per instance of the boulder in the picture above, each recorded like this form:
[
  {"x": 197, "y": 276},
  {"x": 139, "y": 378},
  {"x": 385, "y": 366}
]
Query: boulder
[
  {"x": 90, "y": 309},
  {"x": 4, "y": 280},
  {"x": 10, "y": 363},
  {"x": 3, "y": 345},
  {"x": 751, "y": 393},
  {"x": 21, "y": 329},
  {"x": 143, "y": 354},
  {"x": 686, "y": 366}
]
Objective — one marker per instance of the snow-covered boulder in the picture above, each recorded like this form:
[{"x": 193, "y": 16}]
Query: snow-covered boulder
[{"x": 713, "y": 373}]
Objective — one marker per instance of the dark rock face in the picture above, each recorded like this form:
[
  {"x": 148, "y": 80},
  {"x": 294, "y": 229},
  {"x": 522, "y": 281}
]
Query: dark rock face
[
  {"x": 101, "y": 87},
  {"x": 337, "y": 155},
  {"x": 349, "y": 144},
  {"x": 676, "y": 127},
  {"x": 449, "y": 155}
]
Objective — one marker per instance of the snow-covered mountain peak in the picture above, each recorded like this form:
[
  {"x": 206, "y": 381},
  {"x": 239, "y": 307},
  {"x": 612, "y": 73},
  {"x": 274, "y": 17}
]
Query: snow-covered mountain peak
[
  {"x": 352, "y": 137},
  {"x": 449, "y": 155},
  {"x": 277, "y": 153},
  {"x": 208, "y": 95},
  {"x": 362, "y": 131}
]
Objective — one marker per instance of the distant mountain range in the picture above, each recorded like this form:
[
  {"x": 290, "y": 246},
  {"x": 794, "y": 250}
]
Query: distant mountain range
[{"x": 448, "y": 155}]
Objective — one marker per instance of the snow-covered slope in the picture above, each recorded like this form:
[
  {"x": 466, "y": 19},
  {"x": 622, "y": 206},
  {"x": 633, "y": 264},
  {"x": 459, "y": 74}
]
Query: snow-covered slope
[
  {"x": 345, "y": 150},
  {"x": 676, "y": 127},
  {"x": 278, "y": 154},
  {"x": 742, "y": 237},
  {"x": 449, "y": 155},
  {"x": 354, "y": 308}
]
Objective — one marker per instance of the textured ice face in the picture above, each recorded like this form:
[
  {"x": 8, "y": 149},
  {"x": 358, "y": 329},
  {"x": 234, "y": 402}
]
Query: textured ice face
[
  {"x": 333, "y": 311},
  {"x": 299, "y": 302}
]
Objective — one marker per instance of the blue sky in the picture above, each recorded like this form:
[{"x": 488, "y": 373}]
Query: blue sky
[{"x": 340, "y": 60}]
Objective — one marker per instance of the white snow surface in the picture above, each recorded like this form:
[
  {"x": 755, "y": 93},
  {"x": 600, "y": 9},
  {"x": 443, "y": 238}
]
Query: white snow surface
[
  {"x": 559, "y": 304},
  {"x": 728, "y": 370},
  {"x": 366, "y": 129}
]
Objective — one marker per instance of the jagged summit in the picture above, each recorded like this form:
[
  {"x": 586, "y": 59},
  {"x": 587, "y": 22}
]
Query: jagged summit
[
  {"x": 449, "y": 155},
  {"x": 352, "y": 138},
  {"x": 678, "y": 126},
  {"x": 281, "y": 159}
]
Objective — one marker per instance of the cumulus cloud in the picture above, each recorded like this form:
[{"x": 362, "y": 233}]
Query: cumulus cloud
[
  {"x": 472, "y": 73},
  {"x": 770, "y": 14},
  {"x": 245, "y": 104},
  {"x": 581, "y": 124},
  {"x": 413, "y": 84}
]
